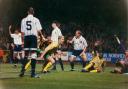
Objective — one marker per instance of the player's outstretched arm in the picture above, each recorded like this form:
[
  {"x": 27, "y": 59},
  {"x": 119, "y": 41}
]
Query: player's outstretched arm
[{"x": 42, "y": 36}]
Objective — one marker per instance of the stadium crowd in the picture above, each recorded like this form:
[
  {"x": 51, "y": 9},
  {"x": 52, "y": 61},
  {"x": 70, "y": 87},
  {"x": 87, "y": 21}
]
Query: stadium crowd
[{"x": 91, "y": 32}]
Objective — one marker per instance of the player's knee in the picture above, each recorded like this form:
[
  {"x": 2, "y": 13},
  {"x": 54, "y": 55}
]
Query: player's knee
[
  {"x": 52, "y": 61},
  {"x": 71, "y": 59},
  {"x": 83, "y": 56}
]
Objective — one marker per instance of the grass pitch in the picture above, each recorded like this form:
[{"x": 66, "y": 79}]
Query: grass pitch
[{"x": 61, "y": 79}]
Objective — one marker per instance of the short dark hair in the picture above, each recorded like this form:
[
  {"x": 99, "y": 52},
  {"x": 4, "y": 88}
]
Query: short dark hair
[
  {"x": 79, "y": 31},
  {"x": 31, "y": 10},
  {"x": 57, "y": 23}
]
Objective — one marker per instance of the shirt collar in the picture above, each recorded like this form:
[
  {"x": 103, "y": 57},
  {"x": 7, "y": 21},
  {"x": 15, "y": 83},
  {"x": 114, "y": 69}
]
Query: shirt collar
[
  {"x": 78, "y": 38},
  {"x": 30, "y": 15}
]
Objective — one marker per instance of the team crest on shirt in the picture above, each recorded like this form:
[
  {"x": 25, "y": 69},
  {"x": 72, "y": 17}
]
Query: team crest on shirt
[{"x": 80, "y": 41}]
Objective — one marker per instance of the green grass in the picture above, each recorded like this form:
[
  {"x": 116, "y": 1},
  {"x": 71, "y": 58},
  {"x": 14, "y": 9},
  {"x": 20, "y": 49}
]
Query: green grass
[{"x": 61, "y": 80}]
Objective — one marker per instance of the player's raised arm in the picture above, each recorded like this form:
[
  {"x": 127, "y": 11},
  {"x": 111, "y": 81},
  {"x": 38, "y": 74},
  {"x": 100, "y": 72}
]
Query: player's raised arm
[
  {"x": 119, "y": 42},
  {"x": 10, "y": 26}
]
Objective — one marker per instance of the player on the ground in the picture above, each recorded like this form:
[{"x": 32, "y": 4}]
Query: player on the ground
[
  {"x": 18, "y": 44},
  {"x": 122, "y": 65},
  {"x": 30, "y": 27},
  {"x": 96, "y": 65},
  {"x": 80, "y": 46}
]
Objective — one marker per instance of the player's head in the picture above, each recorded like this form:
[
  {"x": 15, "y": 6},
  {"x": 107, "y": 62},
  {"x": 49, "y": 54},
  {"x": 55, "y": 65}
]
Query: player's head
[
  {"x": 31, "y": 11},
  {"x": 61, "y": 39},
  {"x": 97, "y": 42},
  {"x": 55, "y": 24},
  {"x": 17, "y": 31},
  {"x": 78, "y": 33}
]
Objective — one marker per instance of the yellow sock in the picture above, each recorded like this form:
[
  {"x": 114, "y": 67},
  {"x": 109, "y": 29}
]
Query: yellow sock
[
  {"x": 94, "y": 71},
  {"x": 27, "y": 65},
  {"x": 49, "y": 65},
  {"x": 88, "y": 66}
]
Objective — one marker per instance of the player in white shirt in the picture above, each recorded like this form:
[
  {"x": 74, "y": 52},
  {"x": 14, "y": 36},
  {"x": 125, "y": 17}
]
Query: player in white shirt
[
  {"x": 17, "y": 38},
  {"x": 30, "y": 27},
  {"x": 56, "y": 33},
  {"x": 80, "y": 45}
]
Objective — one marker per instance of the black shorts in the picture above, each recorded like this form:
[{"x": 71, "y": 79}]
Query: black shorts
[
  {"x": 77, "y": 52},
  {"x": 18, "y": 48},
  {"x": 30, "y": 42}
]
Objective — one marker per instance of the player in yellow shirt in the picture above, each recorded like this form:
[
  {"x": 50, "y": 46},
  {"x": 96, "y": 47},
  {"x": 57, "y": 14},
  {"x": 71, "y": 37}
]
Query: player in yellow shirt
[
  {"x": 50, "y": 55},
  {"x": 96, "y": 65}
]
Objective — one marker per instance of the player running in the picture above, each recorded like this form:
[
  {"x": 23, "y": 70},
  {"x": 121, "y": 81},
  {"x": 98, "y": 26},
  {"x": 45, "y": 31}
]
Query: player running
[
  {"x": 80, "y": 45},
  {"x": 30, "y": 27},
  {"x": 18, "y": 44}
]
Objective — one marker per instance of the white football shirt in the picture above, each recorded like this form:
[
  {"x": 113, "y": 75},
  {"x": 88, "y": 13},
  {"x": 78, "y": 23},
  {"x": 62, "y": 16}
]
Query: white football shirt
[
  {"x": 17, "y": 38},
  {"x": 79, "y": 43},
  {"x": 55, "y": 34},
  {"x": 30, "y": 26}
]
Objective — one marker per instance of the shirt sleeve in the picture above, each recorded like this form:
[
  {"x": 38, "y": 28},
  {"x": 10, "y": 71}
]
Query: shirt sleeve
[
  {"x": 12, "y": 35},
  {"x": 59, "y": 32},
  {"x": 73, "y": 39},
  {"x": 85, "y": 42},
  {"x": 38, "y": 25}
]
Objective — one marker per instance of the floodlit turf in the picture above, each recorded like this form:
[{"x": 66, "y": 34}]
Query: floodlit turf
[{"x": 61, "y": 80}]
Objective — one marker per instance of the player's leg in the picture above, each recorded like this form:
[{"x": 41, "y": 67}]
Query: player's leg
[
  {"x": 84, "y": 59},
  {"x": 51, "y": 46},
  {"x": 54, "y": 65},
  {"x": 61, "y": 62},
  {"x": 72, "y": 59},
  {"x": 24, "y": 61},
  {"x": 44, "y": 64},
  {"x": 33, "y": 64},
  {"x": 94, "y": 71},
  {"x": 27, "y": 64},
  {"x": 15, "y": 54},
  {"x": 33, "y": 54},
  {"x": 87, "y": 68},
  {"x": 51, "y": 61}
]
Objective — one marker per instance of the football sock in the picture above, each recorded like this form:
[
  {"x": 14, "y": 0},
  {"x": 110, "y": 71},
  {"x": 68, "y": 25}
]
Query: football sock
[
  {"x": 33, "y": 66},
  {"x": 61, "y": 64},
  {"x": 49, "y": 65}
]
